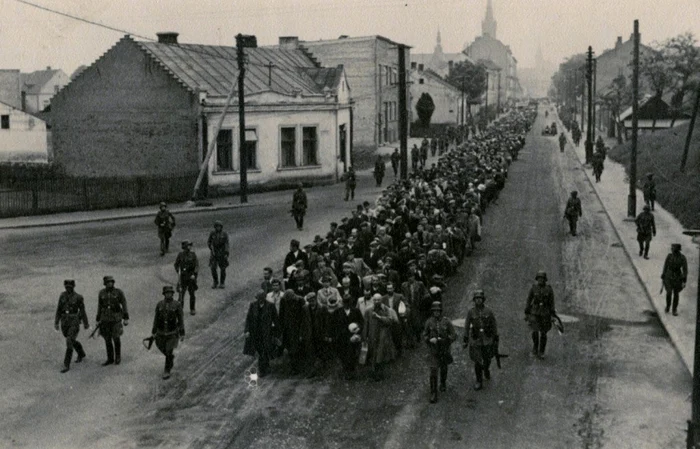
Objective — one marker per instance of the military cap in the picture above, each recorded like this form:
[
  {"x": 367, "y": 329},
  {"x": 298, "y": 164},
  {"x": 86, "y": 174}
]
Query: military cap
[
  {"x": 342, "y": 241},
  {"x": 541, "y": 274},
  {"x": 318, "y": 239},
  {"x": 374, "y": 243},
  {"x": 574, "y": 192},
  {"x": 168, "y": 288},
  {"x": 162, "y": 204},
  {"x": 107, "y": 279},
  {"x": 649, "y": 175},
  {"x": 185, "y": 244},
  {"x": 436, "y": 305},
  {"x": 676, "y": 246},
  {"x": 411, "y": 262},
  {"x": 308, "y": 246},
  {"x": 294, "y": 242},
  {"x": 646, "y": 207},
  {"x": 68, "y": 282},
  {"x": 479, "y": 294},
  {"x": 218, "y": 223},
  {"x": 437, "y": 277}
]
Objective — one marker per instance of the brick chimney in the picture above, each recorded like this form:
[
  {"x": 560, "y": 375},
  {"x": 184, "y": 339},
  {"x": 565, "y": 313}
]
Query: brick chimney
[
  {"x": 167, "y": 37},
  {"x": 618, "y": 44},
  {"x": 289, "y": 42},
  {"x": 48, "y": 67}
]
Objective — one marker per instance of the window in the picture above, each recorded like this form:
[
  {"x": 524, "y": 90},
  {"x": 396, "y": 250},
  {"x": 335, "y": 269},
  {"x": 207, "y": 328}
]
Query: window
[
  {"x": 310, "y": 145},
  {"x": 251, "y": 149},
  {"x": 224, "y": 149},
  {"x": 4, "y": 122},
  {"x": 288, "y": 146},
  {"x": 420, "y": 81}
]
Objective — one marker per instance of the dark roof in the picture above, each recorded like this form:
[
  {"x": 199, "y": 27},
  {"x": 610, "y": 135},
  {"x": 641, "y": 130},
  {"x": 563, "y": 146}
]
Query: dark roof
[
  {"x": 33, "y": 82},
  {"x": 325, "y": 78},
  {"x": 212, "y": 68}
]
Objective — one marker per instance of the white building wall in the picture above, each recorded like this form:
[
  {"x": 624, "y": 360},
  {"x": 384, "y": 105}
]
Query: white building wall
[
  {"x": 447, "y": 100},
  {"x": 26, "y": 137}
]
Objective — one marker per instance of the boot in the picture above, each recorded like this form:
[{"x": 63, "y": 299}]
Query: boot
[
  {"x": 433, "y": 388},
  {"x": 81, "y": 352},
  {"x": 117, "y": 351},
  {"x": 443, "y": 379},
  {"x": 543, "y": 345}
]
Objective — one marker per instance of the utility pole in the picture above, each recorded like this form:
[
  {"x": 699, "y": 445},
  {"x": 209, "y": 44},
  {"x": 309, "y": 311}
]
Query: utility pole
[
  {"x": 242, "y": 42},
  {"x": 463, "y": 78},
  {"x": 595, "y": 77},
  {"x": 632, "y": 197},
  {"x": 693, "y": 431},
  {"x": 583, "y": 97},
  {"x": 686, "y": 148},
  {"x": 486, "y": 109},
  {"x": 498, "y": 98},
  {"x": 403, "y": 112},
  {"x": 589, "y": 81}
]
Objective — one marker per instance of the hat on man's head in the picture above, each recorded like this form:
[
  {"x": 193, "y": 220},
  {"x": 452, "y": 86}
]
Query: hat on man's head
[
  {"x": 185, "y": 244},
  {"x": 162, "y": 204},
  {"x": 168, "y": 288},
  {"x": 541, "y": 274},
  {"x": 69, "y": 282},
  {"x": 318, "y": 239},
  {"x": 218, "y": 223},
  {"x": 107, "y": 279},
  {"x": 676, "y": 246},
  {"x": 646, "y": 207},
  {"x": 478, "y": 294}
]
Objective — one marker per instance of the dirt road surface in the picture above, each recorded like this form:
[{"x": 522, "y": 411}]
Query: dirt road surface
[{"x": 613, "y": 380}]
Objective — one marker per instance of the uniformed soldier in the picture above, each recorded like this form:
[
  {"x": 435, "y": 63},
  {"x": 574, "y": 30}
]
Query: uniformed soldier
[
  {"x": 481, "y": 336},
  {"x": 165, "y": 221},
  {"x": 350, "y": 184},
  {"x": 69, "y": 314},
  {"x": 539, "y": 310},
  {"x": 572, "y": 212},
  {"x": 168, "y": 327},
  {"x": 112, "y": 315},
  {"x": 187, "y": 268},
  {"x": 299, "y": 206},
  {"x": 646, "y": 228},
  {"x": 218, "y": 258},
  {"x": 649, "y": 190},
  {"x": 674, "y": 276},
  {"x": 562, "y": 141},
  {"x": 439, "y": 334},
  {"x": 379, "y": 168}
]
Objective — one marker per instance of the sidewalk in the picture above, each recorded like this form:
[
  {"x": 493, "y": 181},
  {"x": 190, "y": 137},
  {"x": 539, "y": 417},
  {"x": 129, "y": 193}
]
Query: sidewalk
[{"x": 612, "y": 191}]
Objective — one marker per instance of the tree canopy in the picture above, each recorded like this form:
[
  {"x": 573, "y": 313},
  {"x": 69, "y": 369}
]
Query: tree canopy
[
  {"x": 468, "y": 77},
  {"x": 425, "y": 108}
]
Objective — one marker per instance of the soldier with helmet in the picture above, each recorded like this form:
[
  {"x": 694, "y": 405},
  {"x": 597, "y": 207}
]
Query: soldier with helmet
[
  {"x": 572, "y": 211},
  {"x": 112, "y": 315},
  {"x": 439, "y": 334},
  {"x": 481, "y": 336},
  {"x": 168, "y": 327},
  {"x": 218, "y": 258},
  {"x": 646, "y": 228},
  {"x": 187, "y": 268},
  {"x": 165, "y": 221},
  {"x": 539, "y": 311},
  {"x": 69, "y": 314}
]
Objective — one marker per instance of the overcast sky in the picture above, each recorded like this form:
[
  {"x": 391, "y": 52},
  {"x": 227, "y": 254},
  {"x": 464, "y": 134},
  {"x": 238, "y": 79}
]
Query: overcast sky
[{"x": 33, "y": 39}]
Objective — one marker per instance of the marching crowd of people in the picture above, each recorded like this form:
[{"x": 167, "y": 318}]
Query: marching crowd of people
[{"x": 372, "y": 287}]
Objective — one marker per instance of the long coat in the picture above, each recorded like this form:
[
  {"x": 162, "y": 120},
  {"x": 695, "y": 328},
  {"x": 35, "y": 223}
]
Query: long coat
[
  {"x": 291, "y": 320},
  {"x": 341, "y": 321},
  {"x": 539, "y": 308},
  {"x": 262, "y": 325},
  {"x": 442, "y": 329},
  {"x": 481, "y": 332},
  {"x": 377, "y": 334},
  {"x": 675, "y": 271}
]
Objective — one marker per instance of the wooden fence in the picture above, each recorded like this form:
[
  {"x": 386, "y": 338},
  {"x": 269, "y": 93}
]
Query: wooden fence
[{"x": 29, "y": 192}]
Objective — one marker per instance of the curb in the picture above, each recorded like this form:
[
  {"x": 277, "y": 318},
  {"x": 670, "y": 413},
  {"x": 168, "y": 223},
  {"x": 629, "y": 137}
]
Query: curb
[
  {"x": 126, "y": 216},
  {"x": 650, "y": 295}
]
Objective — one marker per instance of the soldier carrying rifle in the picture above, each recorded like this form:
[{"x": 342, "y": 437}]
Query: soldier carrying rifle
[{"x": 439, "y": 333}]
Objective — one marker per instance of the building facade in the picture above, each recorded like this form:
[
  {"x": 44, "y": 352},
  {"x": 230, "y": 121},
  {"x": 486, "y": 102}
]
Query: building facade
[
  {"x": 446, "y": 97},
  {"x": 488, "y": 47},
  {"x": 39, "y": 87},
  {"x": 371, "y": 64},
  {"x": 23, "y": 137},
  {"x": 151, "y": 108}
]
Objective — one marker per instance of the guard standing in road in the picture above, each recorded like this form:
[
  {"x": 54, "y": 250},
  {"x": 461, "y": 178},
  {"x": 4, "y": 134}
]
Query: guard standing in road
[
  {"x": 539, "y": 311},
  {"x": 649, "y": 190},
  {"x": 299, "y": 206},
  {"x": 395, "y": 161},
  {"x": 69, "y": 314},
  {"x": 165, "y": 221},
  {"x": 187, "y": 268},
  {"x": 562, "y": 141},
  {"x": 646, "y": 228},
  {"x": 168, "y": 327},
  {"x": 439, "y": 334},
  {"x": 218, "y": 257},
  {"x": 350, "y": 184},
  {"x": 112, "y": 315},
  {"x": 674, "y": 276},
  {"x": 481, "y": 336},
  {"x": 379, "y": 169},
  {"x": 572, "y": 212}
]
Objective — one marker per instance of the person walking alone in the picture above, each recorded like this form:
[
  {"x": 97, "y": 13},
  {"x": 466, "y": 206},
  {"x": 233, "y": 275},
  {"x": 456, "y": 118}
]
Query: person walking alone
[
  {"x": 165, "y": 221},
  {"x": 674, "y": 276},
  {"x": 218, "y": 259},
  {"x": 573, "y": 211},
  {"x": 539, "y": 310},
  {"x": 646, "y": 228},
  {"x": 69, "y": 314},
  {"x": 299, "y": 206},
  {"x": 350, "y": 184}
]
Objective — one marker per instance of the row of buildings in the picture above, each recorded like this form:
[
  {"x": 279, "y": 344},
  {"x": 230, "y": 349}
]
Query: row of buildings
[{"x": 148, "y": 108}]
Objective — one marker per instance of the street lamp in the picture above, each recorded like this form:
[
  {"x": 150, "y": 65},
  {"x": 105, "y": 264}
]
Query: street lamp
[{"x": 693, "y": 441}]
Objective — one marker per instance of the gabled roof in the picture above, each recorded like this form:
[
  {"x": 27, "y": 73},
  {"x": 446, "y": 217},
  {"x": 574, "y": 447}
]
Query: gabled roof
[
  {"x": 33, "y": 82},
  {"x": 429, "y": 73},
  {"x": 213, "y": 68}
]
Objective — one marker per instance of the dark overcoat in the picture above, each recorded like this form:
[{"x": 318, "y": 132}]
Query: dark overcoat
[{"x": 262, "y": 326}]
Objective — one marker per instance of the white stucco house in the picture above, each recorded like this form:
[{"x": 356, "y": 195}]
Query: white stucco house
[{"x": 23, "y": 137}]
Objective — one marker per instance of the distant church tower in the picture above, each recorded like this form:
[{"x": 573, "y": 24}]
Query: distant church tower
[
  {"x": 488, "y": 25},
  {"x": 539, "y": 59}
]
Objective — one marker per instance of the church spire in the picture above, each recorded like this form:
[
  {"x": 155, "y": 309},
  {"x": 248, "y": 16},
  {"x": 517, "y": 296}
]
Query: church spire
[
  {"x": 439, "y": 40},
  {"x": 488, "y": 25}
]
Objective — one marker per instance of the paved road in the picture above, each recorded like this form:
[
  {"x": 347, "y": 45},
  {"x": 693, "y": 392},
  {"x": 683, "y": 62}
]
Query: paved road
[{"x": 613, "y": 380}]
